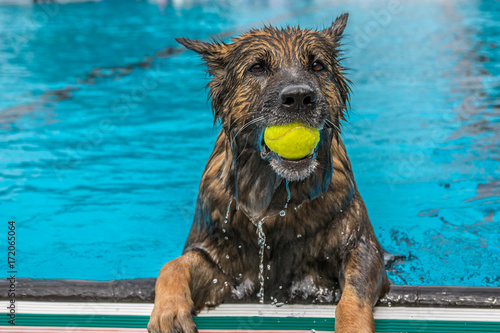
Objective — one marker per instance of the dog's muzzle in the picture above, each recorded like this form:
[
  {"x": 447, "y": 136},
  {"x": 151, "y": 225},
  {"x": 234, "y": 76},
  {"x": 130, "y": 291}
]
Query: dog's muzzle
[{"x": 291, "y": 170}]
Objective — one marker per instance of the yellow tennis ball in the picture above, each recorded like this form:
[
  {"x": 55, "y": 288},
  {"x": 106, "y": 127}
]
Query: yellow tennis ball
[{"x": 291, "y": 141}]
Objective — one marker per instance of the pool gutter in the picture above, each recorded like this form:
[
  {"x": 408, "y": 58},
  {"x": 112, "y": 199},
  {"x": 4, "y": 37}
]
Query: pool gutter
[{"x": 142, "y": 291}]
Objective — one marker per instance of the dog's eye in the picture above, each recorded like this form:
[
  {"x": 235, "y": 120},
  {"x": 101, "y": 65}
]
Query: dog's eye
[
  {"x": 257, "y": 68},
  {"x": 317, "y": 66}
]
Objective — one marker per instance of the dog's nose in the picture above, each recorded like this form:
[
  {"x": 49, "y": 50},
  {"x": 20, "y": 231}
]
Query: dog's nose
[{"x": 297, "y": 96}]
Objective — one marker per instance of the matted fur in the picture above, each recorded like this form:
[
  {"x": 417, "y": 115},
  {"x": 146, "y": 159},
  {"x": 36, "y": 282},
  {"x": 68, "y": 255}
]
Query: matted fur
[{"x": 325, "y": 240}]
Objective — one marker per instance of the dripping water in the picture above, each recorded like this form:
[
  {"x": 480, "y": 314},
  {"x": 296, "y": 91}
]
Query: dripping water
[
  {"x": 283, "y": 212},
  {"x": 226, "y": 219},
  {"x": 262, "y": 244}
]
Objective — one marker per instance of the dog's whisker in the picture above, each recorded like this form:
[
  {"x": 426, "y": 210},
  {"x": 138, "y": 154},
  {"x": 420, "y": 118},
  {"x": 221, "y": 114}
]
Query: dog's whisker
[
  {"x": 251, "y": 122},
  {"x": 234, "y": 122},
  {"x": 332, "y": 124}
]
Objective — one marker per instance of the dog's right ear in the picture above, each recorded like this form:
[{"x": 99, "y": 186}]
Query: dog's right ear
[{"x": 212, "y": 53}]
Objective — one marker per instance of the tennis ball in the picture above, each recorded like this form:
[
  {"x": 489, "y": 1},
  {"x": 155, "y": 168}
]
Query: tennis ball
[{"x": 291, "y": 141}]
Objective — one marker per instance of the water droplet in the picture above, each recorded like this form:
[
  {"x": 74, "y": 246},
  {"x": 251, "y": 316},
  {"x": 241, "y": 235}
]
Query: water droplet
[
  {"x": 268, "y": 267},
  {"x": 327, "y": 258},
  {"x": 282, "y": 213},
  {"x": 268, "y": 247},
  {"x": 376, "y": 251},
  {"x": 223, "y": 230},
  {"x": 240, "y": 275},
  {"x": 341, "y": 210},
  {"x": 226, "y": 218},
  {"x": 239, "y": 246},
  {"x": 225, "y": 283},
  {"x": 215, "y": 281},
  {"x": 342, "y": 233},
  {"x": 281, "y": 287},
  {"x": 226, "y": 238},
  {"x": 299, "y": 235},
  {"x": 227, "y": 256}
]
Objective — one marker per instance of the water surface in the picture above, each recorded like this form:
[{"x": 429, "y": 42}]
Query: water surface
[{"x": 105, "y": 131}]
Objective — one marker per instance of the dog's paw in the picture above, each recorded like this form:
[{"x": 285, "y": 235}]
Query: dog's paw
[{"x": 172, "y": 318}]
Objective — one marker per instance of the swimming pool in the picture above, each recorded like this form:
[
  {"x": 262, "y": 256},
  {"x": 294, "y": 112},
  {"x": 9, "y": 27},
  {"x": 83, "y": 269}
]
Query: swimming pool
[{"x": 105, "y": 131}]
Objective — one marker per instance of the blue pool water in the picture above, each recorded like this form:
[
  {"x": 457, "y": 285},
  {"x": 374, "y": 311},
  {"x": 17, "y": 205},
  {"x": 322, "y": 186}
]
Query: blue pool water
[{"x": 105, "y": 131}]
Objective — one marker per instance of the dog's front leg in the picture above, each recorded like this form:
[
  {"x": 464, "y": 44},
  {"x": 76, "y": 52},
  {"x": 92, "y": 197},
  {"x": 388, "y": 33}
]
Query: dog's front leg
[
  {"x": 364, "y": 281},
  {"x": 353, "y": 314},
  {"x": 179, "y": 280}
]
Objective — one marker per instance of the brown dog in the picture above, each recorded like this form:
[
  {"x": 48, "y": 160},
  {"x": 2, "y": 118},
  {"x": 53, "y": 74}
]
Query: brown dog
[{"x": 267, "y": 228}]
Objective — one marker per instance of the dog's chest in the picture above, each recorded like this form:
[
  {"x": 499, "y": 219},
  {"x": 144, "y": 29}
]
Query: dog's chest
[
  {"x": 308, "y": 289},
  {"x": 293, "y": 268},
  {"x": 287, "y": 253}
]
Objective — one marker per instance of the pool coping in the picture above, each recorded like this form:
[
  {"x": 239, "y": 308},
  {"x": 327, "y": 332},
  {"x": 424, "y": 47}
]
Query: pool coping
[{"x": 142, "y": 291}]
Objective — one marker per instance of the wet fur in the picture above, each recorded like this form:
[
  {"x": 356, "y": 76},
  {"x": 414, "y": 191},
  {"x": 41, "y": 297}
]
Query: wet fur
[{"x": 325, "y": 241}]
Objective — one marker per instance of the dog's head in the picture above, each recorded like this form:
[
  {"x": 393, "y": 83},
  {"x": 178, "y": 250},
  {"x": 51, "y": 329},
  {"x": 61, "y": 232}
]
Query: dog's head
[{"x": 273, "y": 77}]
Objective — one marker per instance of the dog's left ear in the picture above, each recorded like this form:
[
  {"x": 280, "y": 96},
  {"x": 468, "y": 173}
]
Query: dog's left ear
[
  {"x": 337, "y": 27},
  {"x": 212, "y": 53}
]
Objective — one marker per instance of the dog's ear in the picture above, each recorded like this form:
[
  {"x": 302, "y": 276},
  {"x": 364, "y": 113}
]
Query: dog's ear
[
  {"x": 337, "y": 27},
  {"x": 212, "y": 53}
]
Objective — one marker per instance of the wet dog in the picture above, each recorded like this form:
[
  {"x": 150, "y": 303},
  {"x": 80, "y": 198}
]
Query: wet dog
[{"x": 266, "y": 228}]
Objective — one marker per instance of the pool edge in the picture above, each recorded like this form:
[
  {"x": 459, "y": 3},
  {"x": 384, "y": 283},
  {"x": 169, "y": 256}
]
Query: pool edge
[{"x": 142, "y": 291}]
